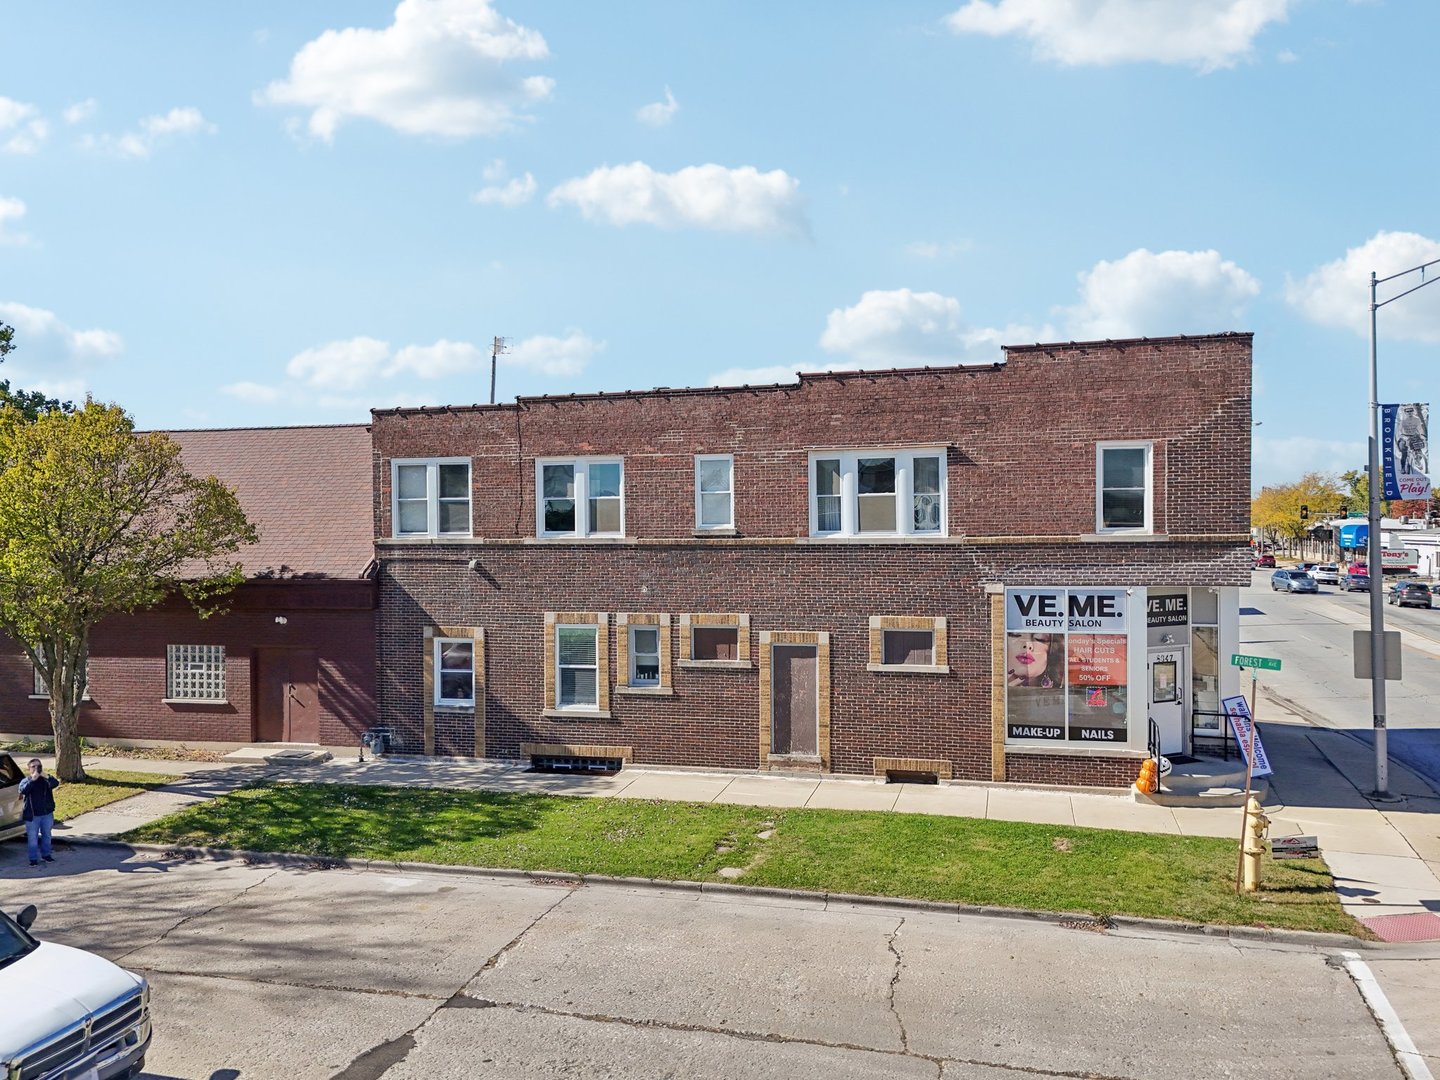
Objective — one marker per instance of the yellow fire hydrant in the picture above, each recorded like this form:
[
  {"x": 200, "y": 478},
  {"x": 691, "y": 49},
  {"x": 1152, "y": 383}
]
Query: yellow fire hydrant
[{"x": 1255, "y": 825}]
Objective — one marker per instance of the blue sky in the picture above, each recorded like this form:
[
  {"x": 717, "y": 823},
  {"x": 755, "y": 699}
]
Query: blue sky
[{"x": 277, "y": 213}]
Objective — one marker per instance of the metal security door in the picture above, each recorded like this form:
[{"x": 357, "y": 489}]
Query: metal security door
[{"x": 795, "y": 700}]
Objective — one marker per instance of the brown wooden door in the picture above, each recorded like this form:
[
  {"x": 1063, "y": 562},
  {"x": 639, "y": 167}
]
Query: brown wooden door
[
  {"x": 286, "y": 701},
  {"x": 794, "y": 708}
]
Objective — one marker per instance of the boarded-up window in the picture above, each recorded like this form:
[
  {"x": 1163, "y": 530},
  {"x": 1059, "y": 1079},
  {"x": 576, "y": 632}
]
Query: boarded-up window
[
  {"x": 715, "y": 643},
  {"x": 910, "y": 647}
]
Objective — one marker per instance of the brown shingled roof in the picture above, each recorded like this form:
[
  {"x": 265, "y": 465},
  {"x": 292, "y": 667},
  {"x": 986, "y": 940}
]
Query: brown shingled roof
[{"x": 307, "y": 491}]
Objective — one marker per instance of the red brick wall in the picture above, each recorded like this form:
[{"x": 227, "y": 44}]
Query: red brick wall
[
  {"x": 1021, "y": 463},
  {"x": 128, "y": 677}
]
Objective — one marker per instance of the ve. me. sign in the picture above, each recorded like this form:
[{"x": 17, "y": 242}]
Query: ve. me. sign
[{"x": 1093, "y": 610}]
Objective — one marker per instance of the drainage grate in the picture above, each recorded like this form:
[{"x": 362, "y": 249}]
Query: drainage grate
[{"x": 564, "y": 763}]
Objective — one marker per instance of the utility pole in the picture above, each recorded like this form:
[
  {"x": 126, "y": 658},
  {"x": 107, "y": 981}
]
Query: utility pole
[
  {"x": 1376, "y": 569},
  {"x": 497, "y": 346}
]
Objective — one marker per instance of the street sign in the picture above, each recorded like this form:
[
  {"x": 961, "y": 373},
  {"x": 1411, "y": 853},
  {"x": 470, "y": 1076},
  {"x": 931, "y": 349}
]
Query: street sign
[
  {"x": 1361, "y": 638},
  {"x": 1243, "y": 728},
  {"x": 1295, "y": 847},
  {"x": 1264, "y": 663}
]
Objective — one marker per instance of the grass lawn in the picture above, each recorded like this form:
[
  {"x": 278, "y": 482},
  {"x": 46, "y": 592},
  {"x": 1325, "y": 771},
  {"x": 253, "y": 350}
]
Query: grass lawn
[
  {"x": 965, "y": 860},
  {"x": 104, "y": 786}
]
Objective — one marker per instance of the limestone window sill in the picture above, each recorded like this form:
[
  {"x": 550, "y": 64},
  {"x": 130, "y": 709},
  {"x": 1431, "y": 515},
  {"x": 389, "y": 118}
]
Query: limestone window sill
[
  {"x": 575, "y": 714},
  {"x": 909, "y": 669}
]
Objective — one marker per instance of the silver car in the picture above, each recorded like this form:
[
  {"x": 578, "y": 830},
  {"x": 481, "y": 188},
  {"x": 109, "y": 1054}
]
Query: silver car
[
  {"x": 11, "y": 822},
  {"x": 1293, "y": 581}
]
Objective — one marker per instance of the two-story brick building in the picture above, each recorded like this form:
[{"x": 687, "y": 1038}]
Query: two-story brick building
[{"x": 998, "y": 572}]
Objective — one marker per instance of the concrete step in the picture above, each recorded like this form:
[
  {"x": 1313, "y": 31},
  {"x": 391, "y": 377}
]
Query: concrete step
[
  {"x": 1207, "y": 782},
  {"x": 281, "y": 754}
]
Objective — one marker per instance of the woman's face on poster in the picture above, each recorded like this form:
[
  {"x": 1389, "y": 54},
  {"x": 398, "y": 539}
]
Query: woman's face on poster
[{"x": 1027, "y": 655}]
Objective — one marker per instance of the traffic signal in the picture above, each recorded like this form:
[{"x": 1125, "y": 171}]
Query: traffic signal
[{"x": 1304, "y": 512}]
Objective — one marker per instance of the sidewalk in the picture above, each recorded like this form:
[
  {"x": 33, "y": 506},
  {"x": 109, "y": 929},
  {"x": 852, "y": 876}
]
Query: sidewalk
[{"x": 1385, "y": 857}]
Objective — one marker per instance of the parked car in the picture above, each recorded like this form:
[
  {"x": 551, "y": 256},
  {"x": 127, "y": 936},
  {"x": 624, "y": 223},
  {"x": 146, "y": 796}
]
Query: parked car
[
  {"x": 67, "y": 1012},
  {"x": 1293, "y": 581},
  {"x": 11, "y": 823},
  {"x": 1410, "y": 594},
  {"x": 1326, "y": 573},
  {"x": 1351, "y": 581},
  {"x": 1263, "y": 561},
  {"x": 1308, "y": 567}
]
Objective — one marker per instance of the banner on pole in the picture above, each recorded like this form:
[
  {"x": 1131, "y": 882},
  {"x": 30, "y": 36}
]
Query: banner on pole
[
  {"x": 1405, "y": 451},
  {"x": 1238, "y": 710}
]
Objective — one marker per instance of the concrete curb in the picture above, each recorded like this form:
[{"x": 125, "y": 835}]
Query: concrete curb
[{"x": 1084, "y": 920}]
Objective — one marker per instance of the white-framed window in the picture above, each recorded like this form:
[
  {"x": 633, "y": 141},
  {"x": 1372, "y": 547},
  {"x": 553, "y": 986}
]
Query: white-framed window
[
  {"x": 430, "y": 497},
  {"x": 1124, "y": 488},
  {"x": 878, "y": 493},
  {"x": 454, "y": 671},
  {"x": 195, "y": 672},
  {"x": 714, "y": 491},
  {"x": 577, "y": 681},
  {"x": 580, "y": 497},
  {"x": 644, "y": 656}
]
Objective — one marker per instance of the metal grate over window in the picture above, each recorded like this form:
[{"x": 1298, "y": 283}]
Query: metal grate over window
[{"x": 195, "y": 672}]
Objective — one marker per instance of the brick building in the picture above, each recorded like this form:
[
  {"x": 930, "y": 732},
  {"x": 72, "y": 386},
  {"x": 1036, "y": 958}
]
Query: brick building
[
  {"x": 293, "y": 660},
  {"x": 997, "y": 572}
]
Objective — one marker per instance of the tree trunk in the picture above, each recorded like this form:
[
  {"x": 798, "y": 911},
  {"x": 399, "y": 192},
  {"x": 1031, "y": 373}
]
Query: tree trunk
[{"x": 66, "y": 689}]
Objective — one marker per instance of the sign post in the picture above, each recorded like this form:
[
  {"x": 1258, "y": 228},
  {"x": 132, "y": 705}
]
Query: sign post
[{"x": 1241, "y": 717}]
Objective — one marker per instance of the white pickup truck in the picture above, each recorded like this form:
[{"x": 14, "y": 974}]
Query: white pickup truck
[{"x": 65, "y": 1012}]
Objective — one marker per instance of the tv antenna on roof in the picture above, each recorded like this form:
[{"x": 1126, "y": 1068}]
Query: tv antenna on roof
[{"x": 497, "y": 346}]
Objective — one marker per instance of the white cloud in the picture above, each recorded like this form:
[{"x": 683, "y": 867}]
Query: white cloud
[
  {"x": 437, "y": 361},
  {"x": 556, "y": 356},
  {"x": 181, "y": 121},
  {"x": 659, "y": 113},
  {"x": 902, "y": 328},
  {"x": 11, "y": 209},
  {"x": 253, "y": 392},
  {"x": 439, "y": 69},
  {"x": 503, "y": 192},
  {"x": 1338, "y": 293},
  {"x": 41, "y": 333},
  {"x": 1287, "y": 56},
  {"x": 340, "y": 365},
  {"x": 1283, "y": 460},
  {"x": 1157, "y": 294},
  {"x": 1205, "y": 34},
  {"x": 761, "y": 376},
  {"x": 26, "y": 127},
  {"x": 702, "y": 196},
  {"x": 81, "y": 111}
]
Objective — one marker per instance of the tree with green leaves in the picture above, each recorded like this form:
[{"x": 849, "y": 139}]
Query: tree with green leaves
[
  {"x": 30, "y": 402},
  {"x": 96, "y": 521},
  {"x": 1358, "y": 501}
]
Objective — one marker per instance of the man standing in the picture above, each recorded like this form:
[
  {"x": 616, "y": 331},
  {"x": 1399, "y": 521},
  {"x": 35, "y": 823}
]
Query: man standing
[{"x": 37, "y": 791}]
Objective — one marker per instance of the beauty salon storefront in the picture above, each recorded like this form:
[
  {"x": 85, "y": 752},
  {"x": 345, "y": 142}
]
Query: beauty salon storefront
[{"x": 1086, "y": 669}]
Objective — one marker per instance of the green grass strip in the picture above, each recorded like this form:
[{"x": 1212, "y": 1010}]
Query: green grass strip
[
  {"x": 965, "y": 860},
  {"x": 102, "y": 787}
]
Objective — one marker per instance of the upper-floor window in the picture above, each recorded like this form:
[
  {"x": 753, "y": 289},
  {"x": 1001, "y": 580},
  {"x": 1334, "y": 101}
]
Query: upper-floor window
[
  {"x": 714, "y": 491},
  {"x": 580, "y": 497},
  {"x": 1124, "y": 492},
  {"x": 878, "y": 493},
  {"x": 431, "y": 497}
]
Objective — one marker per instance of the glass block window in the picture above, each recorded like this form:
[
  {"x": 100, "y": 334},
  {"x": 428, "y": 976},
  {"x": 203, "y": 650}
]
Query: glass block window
[
  {"x": 195, "y": 672},
  {"x": 42, "y": 688}
]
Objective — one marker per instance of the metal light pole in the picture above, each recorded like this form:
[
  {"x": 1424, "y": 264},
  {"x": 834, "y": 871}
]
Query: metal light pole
[{"x": 1377, "y": 599}]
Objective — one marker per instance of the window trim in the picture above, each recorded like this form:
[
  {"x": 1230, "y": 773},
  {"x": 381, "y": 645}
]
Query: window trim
[
  {"x": 582, "y": 466},
  {"x": 939, "y": 643},
  {"x": 585, "y": 707},
  {"x": 633, "y": 680},
  {"x": 437, "y": 645},
  {"x": 715, "y": 620},
  {"x": 432, "y": 497},
  {"x": 726, "y": 526},
  {"x": 1146, "y": 529},
  {"x": 904, "y": 491}
]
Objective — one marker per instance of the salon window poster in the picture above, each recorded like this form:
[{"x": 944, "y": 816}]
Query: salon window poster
[{"x": 1065, "y": 665}]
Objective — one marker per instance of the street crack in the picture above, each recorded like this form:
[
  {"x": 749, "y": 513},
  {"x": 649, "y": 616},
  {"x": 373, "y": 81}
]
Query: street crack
[
  {"x": 199, "y": 915},
  {"x": 895, "y": 981}
]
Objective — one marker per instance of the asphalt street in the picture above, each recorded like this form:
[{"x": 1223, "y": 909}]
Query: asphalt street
[
  {"x": 1312, "y": 634},
  {"x": 260, "y": 972}
]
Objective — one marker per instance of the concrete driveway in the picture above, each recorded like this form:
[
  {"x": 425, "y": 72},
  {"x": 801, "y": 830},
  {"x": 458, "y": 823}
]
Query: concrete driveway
[{"x": 292, "y": 973}]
